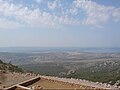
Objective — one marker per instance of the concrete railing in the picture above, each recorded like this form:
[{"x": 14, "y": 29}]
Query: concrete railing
[{"x": 29, "y": 82}]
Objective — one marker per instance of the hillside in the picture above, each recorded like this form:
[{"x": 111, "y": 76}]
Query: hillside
[
  {"x": 11, "y": 74},
  {"x": 102, "y": 71},
  {"x": 9, "y": 67},
  {"x": 95, "y": 67},
  {"x": 105, "y": 72}
]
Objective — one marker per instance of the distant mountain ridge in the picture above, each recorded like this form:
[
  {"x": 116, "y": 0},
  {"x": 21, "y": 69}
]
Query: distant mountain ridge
[{"x": 58, "y": 49}]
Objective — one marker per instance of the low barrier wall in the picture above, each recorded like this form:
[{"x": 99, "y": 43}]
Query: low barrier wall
[
  {"x": 29, "y": 82},
  {"x": 60, "y": 89},
  {"x": 24, "y": 84},
  {"x": 11, "y": 88}
]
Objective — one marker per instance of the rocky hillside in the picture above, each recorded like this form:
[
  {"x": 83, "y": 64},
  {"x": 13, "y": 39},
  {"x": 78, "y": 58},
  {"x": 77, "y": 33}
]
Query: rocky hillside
[
  {"x": 11, "y": 75},
  {"x": 9, "y": 67},
  {"x": 105, "y": 72}
]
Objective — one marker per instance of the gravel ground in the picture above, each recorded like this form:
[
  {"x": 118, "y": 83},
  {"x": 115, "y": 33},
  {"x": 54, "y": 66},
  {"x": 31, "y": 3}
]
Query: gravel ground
[{"x": 8, "y": 79}]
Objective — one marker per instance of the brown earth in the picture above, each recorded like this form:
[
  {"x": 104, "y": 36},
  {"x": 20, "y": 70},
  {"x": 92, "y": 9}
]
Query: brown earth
[{"x": 8, "y": 79}]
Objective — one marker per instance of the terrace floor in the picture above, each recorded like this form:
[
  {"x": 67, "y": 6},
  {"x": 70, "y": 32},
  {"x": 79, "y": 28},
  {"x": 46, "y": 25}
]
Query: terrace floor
[
  {"x": 52, "y": 84},
  {"x": 40, "y": 83}
]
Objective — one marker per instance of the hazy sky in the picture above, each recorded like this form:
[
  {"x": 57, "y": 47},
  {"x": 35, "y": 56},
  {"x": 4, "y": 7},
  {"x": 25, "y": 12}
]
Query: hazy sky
[{"x": 60, "y": 23}]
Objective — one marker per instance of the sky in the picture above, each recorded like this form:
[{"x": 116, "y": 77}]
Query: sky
[{"x": 59, "y": 23}]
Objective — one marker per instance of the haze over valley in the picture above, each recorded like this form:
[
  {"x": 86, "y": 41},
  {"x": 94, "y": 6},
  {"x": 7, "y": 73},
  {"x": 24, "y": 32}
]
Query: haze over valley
[
  {"x": 89, "y": 64},
  {"x": 60, "y": 44}
]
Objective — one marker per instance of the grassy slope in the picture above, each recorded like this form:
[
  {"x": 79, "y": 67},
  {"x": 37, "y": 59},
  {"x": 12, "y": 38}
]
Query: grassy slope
[{"x": 45, "y": 69}]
